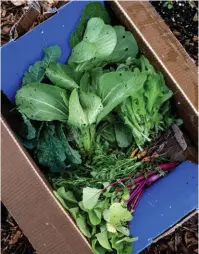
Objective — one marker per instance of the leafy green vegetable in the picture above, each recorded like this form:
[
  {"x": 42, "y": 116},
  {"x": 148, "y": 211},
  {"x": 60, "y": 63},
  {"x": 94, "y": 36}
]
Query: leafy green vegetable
[
  {"x": 53, "y": 149},
  {"x": 42, "y": 102},
  {"x": 115, "y": 87},
  {"x": 103, "y": 240},
  {"x": 119, "y": 214},
  {"x": 123, "y": 135},
  {"x": 66, "y": 195},
  {"x": 126, "y": 46},
  {"x": 93, "y": 9},
  {"x": 81, "y": 223},
  {"x": 98, "y": 43},
  {"x": 60, "y": 75},
  {"x": 90, "y": 197},
  {"x": 36, "y": 72}
]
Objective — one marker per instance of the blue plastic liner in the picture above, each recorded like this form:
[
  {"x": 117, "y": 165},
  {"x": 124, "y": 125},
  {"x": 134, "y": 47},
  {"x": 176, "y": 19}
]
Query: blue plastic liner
[{"x": 165, "y": 202}]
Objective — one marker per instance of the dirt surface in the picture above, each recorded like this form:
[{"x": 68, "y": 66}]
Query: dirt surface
[
  {"x": 182, "y": 18},
  {"x": 184, "y": 240},
  {"x": 13, "y": 241}
]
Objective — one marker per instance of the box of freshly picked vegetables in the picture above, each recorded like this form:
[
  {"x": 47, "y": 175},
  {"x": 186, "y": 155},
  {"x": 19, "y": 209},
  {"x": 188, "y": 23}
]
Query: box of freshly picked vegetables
[{"x": 89, "y": 124}]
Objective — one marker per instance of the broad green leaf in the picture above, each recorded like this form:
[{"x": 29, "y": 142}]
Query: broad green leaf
[
  {"x": 103, "y": 240},
  {"x": 58, "y": 74},
  {"x": 126, "y": 46},
  {"x": 81, "y": 223},
  {"x": 77, "y": 116},
  {"x": 67, "y": 195},
  {"x": 94, "y": 230},
  {"x": 127, "y": 239},
  {"x": 106, "y": 215},
  {"x": 123, "y": 230},
  {"x": 92, "y": 104},
  {"x": 74, "y": 212},
  {"x": 96, "y": 248},
  {"x": 119, "y": 214},
  {"x": 111, "y": 228},
  {"x": 42, "y": 102},
  {"x": 82, "y": 206},
  {"x": 85, "y": 83},
  {"x": 94, "y": 219},
  {"x": 82, "y": 52},
  {"x": 90, "y": 197},
  {"x": 52, "y": 54},
  {"x": 93, "y": 9},
  {"x": 106, "y": 42},
  {"x": 93, "y": 29},
  {"x": 98, "y": 43},
  {"x": 61, "y": 200},
  {"x": 123, "y": 135},
  {"x": 115, "y": 87},
  {"x": 98, "y": 212}
]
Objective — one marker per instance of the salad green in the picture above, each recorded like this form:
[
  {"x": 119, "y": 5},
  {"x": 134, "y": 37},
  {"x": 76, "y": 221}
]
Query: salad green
[{"x": 83, "y": 118}]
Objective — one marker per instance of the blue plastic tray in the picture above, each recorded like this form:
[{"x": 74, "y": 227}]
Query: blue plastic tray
[{"x": 164, "y": 203}]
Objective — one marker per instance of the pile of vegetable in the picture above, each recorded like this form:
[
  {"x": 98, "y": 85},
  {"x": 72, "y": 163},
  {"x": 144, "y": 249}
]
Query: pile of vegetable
[{"x": 88, "y": 122}]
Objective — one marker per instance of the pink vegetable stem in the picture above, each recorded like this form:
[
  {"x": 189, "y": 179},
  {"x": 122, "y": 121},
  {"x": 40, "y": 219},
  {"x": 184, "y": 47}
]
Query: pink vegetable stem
[{"x": 168, "y": 166}]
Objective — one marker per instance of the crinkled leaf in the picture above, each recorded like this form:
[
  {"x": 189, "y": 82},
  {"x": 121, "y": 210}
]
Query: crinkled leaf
[
  {"x": 60, "y": 76},
  {"x": 42, "y": 102},
  {"x": 72, "y": 155},
  {"x": 103, "y": 240},
  {"x": 81, "y": 223},
  {"x": 90, "y": 197},
  {"x": 126, "y": 46},
  {"x": 77, "y": 116},
  {"x": 49, "y": 151},
  {"x": 28, "y": 131},
  {"x": 123, "y": 135},
  {"x": 119, "y": 214},
  {"x": 36, "y": 72}
]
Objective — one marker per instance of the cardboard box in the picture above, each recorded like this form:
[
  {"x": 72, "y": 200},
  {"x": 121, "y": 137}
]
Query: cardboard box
[{"x": 25, "y": 191}]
